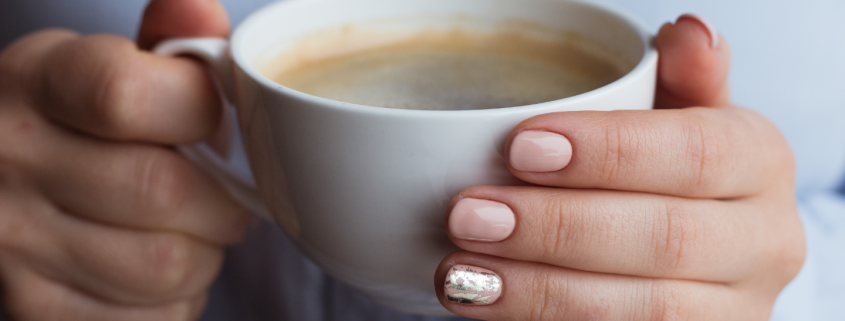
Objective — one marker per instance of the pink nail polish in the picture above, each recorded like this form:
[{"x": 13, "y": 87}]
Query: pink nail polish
[
  {"x": 540, "y": 151},
  {"x": 481, "y": 220},
  {"x": 467, "y": 284},
  {"x": 714, "y": 35}
]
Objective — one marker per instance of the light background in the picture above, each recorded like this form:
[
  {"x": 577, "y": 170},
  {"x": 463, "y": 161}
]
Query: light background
[{"x": 788, "y": 64}]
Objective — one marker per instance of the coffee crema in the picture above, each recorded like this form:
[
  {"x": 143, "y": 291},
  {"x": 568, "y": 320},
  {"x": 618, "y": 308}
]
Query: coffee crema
[{"x": 451, "y": 70}]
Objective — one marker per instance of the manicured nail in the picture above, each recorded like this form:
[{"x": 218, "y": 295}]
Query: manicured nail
[
  {"x": 539, "y": 151},
  {"x": 467, "y": 284},
  {"x": 481, "y": 220},
  {"x": 714, "y": 35}
]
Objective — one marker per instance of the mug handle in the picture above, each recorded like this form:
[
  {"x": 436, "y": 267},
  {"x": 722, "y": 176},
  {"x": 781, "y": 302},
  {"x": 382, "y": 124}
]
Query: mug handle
[{"x": 215, "y": 53}]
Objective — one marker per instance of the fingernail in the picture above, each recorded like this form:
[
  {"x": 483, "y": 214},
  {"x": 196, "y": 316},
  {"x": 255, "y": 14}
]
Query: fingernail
[
  {"x": 714, "y": 35},
  {"x": 539, "y": 151},
  {"x": 468, "y": 284},
  {"x": 481, "y": 220}
]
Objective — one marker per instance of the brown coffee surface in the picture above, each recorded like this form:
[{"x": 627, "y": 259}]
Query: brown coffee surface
[{"x": 453, "y": 70}]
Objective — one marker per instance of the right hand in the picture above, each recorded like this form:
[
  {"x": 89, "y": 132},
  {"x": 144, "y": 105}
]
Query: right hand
[{"x": 99, "y": 218}]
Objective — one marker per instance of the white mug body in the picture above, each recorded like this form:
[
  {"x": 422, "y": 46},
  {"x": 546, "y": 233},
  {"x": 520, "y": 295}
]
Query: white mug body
[{"x": 363, "y": 190}]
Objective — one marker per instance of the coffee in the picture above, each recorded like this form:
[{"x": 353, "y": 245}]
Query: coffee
[
  {"x": 452, "y": 70},
  {"x": 362, "y": 190}
]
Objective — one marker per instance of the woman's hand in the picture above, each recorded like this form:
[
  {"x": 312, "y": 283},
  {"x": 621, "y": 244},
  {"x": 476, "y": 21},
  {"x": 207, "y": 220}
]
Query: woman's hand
[
  {"x": 682, "y": 213},
  {"x": 99, "y": 218}
]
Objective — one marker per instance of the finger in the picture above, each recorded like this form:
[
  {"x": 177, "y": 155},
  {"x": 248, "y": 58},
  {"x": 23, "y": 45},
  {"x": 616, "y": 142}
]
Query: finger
[
  {"x": 620, "y": 233},
  {"x": 695, "y": 152},
  {"x": 104, "y": 86},
  {"x": 19, "y": 59},
  {"x": 29, "y": 296},
  {"x": 182, "y": 18},
  {"x": 128, "y": 185},
  {"x": 113, "y": 265},
  {"x": 533, "y": 291},
  {"x": 168, "y": 19},
  {"x": 694, "y": 64},
  {"x": 138, "y": 186}
]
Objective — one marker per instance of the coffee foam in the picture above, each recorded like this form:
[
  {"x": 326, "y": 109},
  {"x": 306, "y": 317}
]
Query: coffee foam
[{"x": 441, "y": 70}]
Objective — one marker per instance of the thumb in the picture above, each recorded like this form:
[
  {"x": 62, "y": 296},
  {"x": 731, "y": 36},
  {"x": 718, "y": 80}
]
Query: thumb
[
  {"x": 694, "y": 64},
  {"x": 182, "y": 18},
  {"x": 165, "y": 19}
]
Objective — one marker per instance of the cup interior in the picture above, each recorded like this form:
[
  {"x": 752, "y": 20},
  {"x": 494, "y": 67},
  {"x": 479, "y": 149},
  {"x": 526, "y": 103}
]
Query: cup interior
[
  {"x": 321, "y": 28},
  {"x": 361, "y": 155}
]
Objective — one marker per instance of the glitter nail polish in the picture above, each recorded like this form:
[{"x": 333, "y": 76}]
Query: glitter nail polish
[{"x": 467, "y": 284}]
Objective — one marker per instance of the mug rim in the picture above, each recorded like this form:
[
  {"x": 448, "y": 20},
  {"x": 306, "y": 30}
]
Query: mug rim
[{"x": 645, "y": 64}]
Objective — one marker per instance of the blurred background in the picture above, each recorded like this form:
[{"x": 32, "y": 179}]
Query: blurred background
[
  {"x": 788, "y": 57},
  {"x": 788, "y": 64}
]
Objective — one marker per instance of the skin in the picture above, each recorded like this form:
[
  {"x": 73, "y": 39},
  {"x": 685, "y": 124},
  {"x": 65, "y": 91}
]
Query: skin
[
  {"x": 100, "y": 219},
  {"x": 684, "y": 213}
]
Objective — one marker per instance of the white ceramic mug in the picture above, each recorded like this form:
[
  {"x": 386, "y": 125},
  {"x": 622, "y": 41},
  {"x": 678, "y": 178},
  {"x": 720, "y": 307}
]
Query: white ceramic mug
[{"x": 362, "y": 190}]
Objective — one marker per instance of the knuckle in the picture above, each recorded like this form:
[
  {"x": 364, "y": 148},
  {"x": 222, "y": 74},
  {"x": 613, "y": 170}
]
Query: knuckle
[
  {"x": 793, "y": 257},
  {"x": 619, "y": 149},
  {"x": 96, "y": 80},
  {"x": 557, "y": 229},
  {"x": 788, "y": 252},
  {"x": 571, "y": 226},
  {"x": 18, "y": 59},
  {"x": 93, "y": 76},
  {"x": 780, "y": 157},
  {"x": 664, "y": 301},
  {"x": 675, "y": 236},
  {"x": 784, "y": 159},
  {"x": 552, "y": 298},
  {"x": 546, "y": 298},
  {"x": 120, "y": 99},
  {"x": 704, "y": 151},
  {"x": 168, "y": 260},
  {"x": 162, "y": 182}
]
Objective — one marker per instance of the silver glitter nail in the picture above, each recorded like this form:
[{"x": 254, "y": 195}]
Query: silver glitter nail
[{"x": 472, "y": 285}]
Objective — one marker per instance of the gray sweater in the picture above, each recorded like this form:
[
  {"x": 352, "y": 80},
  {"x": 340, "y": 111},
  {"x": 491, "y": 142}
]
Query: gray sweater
[{"x": 788, "y": 64}]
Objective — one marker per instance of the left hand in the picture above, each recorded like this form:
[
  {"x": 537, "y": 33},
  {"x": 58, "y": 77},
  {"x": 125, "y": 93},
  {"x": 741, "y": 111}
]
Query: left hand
[{"x": 678, "y": 213}]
